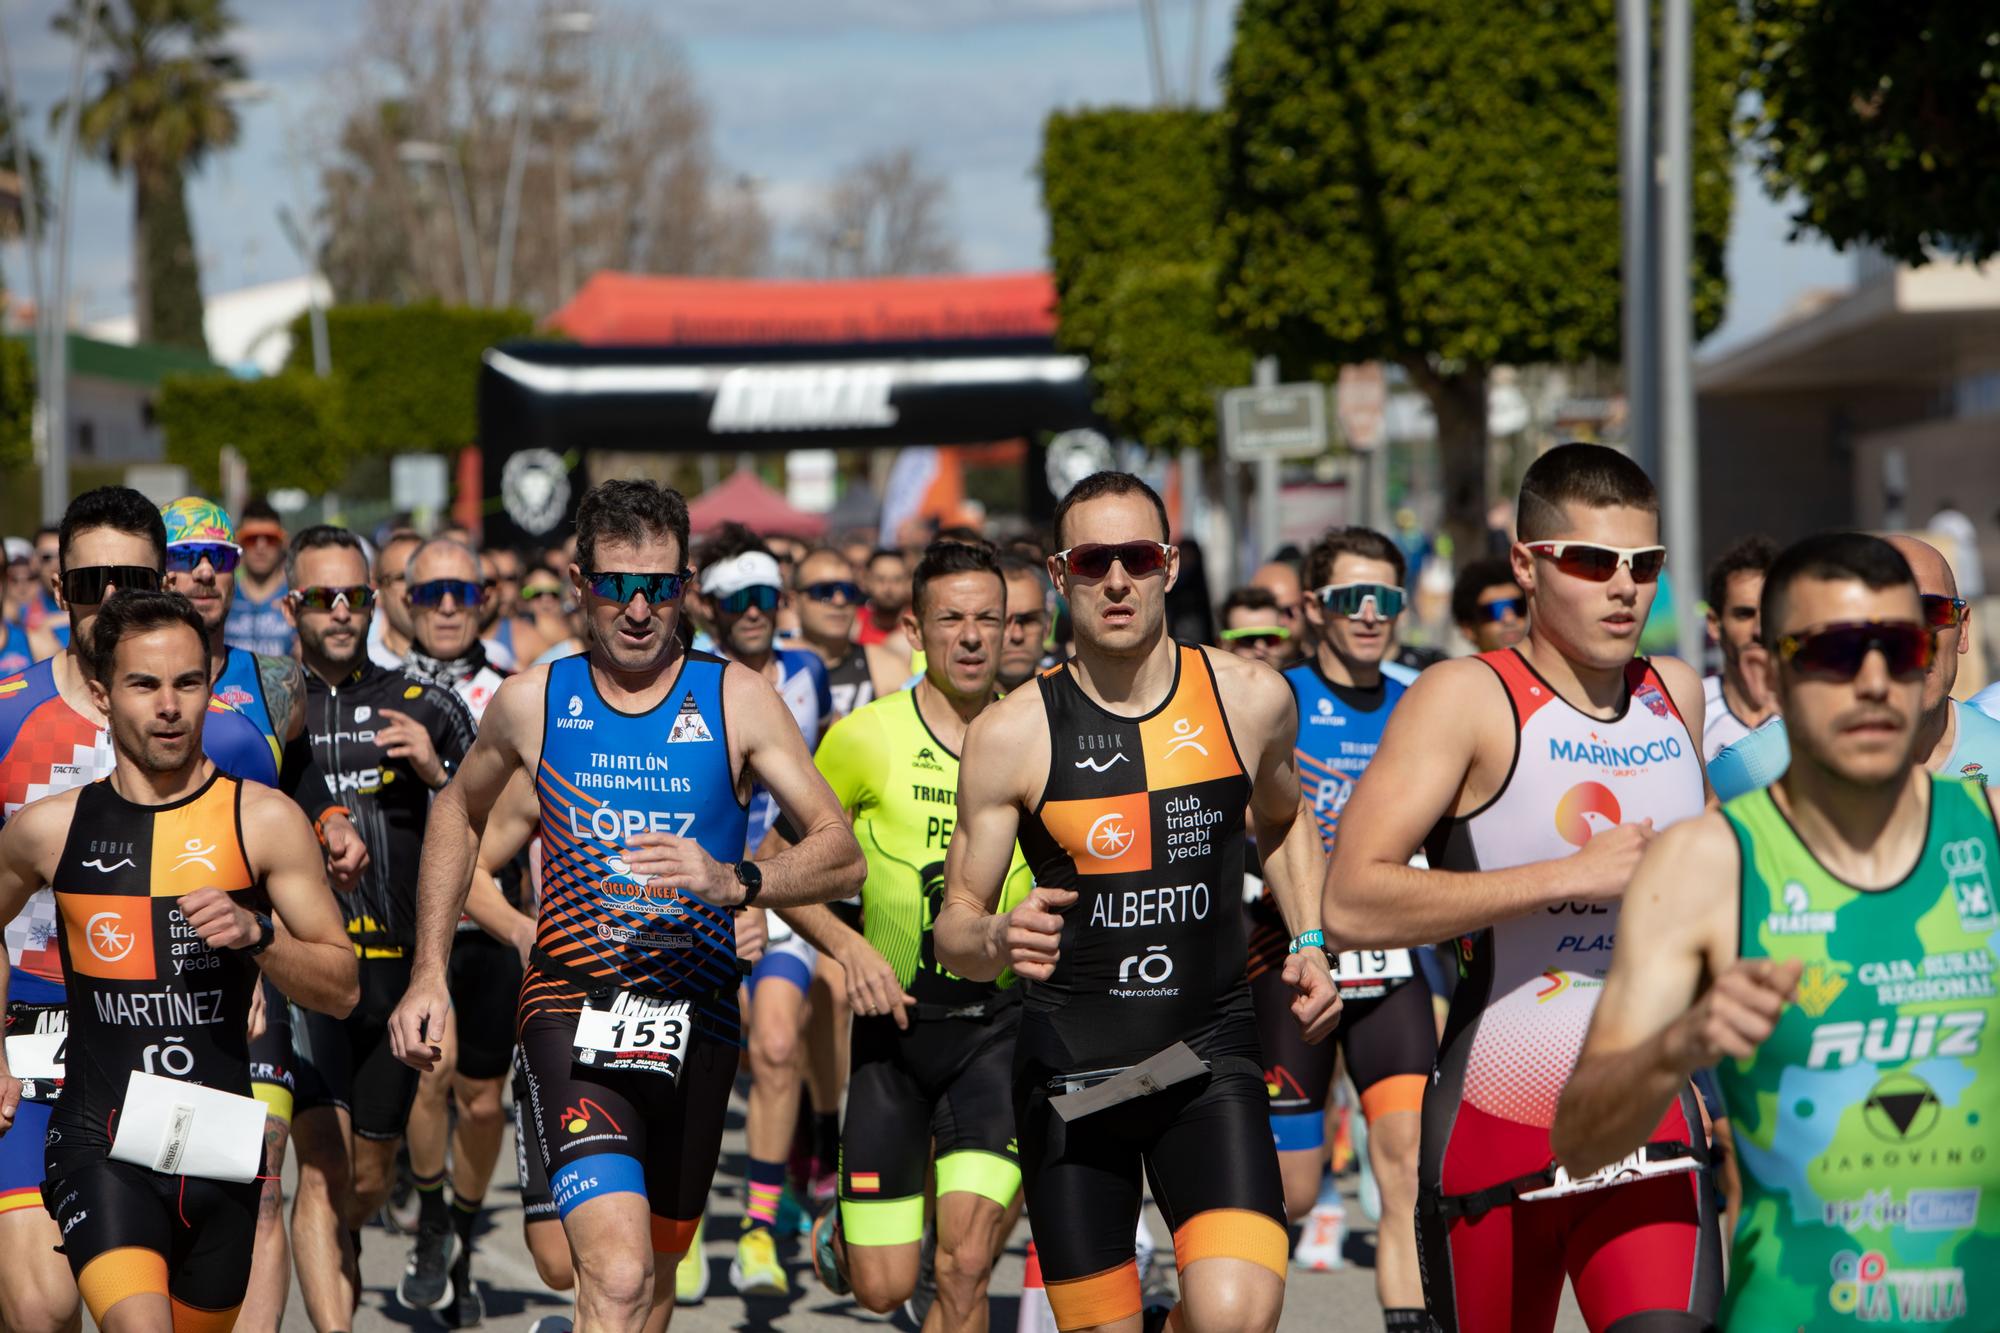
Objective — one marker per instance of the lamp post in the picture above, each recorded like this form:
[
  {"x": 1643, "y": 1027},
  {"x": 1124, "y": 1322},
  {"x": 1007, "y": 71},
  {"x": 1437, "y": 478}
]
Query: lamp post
[{"x": 424, "y": 153}]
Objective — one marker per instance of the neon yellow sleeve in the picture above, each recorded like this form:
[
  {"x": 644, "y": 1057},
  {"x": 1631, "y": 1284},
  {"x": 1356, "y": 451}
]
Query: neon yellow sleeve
[{"x": 852, "y": 758}]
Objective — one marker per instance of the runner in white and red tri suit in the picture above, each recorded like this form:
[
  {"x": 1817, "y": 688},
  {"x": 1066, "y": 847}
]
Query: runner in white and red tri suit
[{"x": 1533, "y": 777}]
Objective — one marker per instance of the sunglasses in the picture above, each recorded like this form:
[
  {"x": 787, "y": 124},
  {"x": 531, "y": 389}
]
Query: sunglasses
[
  {"x": 1941, "y": 612},
  {"x": 186, "y": 557},
  {"x": 1504, "y": 607},
  {"x": 1093, "y": 560},
  {"x": 357, "y": 598},
  {"x": 622, "y": 588},
  {"x": 1255, "y": 634},
  {"x": 539, "y": 592},
  {"x": 433, "y": 592},
  {"x": 87, "y": 586},
  {"x": 261, "y": 538},
  {"x": 1588, "y": 560},
  {"x": 1837, "y": 652},
  {"x": 763, "y": 596},
  {"x": 835, "y": 590},
  {"x": 1347, "y": 599}
]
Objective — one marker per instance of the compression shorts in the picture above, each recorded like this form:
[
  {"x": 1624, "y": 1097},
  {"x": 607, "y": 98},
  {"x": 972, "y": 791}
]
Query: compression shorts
[
  {"x": 348, "y": 1063},
  {"x": 272, "y": 1080},
  {"x": 485, "y": 984}
]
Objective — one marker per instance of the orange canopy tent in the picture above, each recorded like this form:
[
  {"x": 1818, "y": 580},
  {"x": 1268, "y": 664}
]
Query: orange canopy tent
[{"x": 745, "y": 498}]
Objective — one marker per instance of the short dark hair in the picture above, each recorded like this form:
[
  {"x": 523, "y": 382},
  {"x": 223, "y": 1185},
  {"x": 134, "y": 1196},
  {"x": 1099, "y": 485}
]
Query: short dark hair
[
  {"x": 1364, "y": 542},
  {"x": 629, "y": 510},
  {"x": 815, "y": 553},
  {"x": 55, "y": 530},
  {"x": 1250, "y": 597},
  {"x": 1483, "y": 573},
  {"x": 258, "y": 509},
  {"x": 1752, "y": 555},
  {"x": 1100, "y": 484},
  {"x": 883, "y": 553},
  {"x": 1015, "y": 565},
  {"x": 125, "y": 613},
  {"x": 1831, "y": 556},
  {"x": 119, "y": 508},
  {"x": 319, "y": 537},
  {"x": 943, "y": 558},
  {"x": 728, "y": 541},
  {"x": 1579, "y": 474}
]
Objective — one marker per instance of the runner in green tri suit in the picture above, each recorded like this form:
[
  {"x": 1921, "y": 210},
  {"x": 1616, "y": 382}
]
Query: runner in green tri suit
[
  {"x": 932, "y": 1052},
  {"x": 1847, "y": 915}
]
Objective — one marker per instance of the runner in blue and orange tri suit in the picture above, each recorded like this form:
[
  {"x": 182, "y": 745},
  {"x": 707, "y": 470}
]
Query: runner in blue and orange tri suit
[
  {"x": 643, "y": 754},
  {"x": 1533, "y": 778},
  {"x": 53, "y": 738}
]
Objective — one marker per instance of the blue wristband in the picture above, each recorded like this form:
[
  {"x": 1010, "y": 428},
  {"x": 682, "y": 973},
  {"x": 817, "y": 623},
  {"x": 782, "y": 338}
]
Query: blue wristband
[{"x": 1311, "y": 939}]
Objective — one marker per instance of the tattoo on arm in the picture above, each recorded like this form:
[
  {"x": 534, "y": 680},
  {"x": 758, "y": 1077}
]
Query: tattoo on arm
[{"x": 283, "y": 680}]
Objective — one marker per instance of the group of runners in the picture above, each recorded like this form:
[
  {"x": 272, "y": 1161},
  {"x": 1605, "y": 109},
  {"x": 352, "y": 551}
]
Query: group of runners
[{"x": 997, "y": 898}]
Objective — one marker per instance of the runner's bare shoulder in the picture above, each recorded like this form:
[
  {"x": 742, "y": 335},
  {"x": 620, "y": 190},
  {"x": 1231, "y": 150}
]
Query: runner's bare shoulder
[{"x": 1008, "y": 745}]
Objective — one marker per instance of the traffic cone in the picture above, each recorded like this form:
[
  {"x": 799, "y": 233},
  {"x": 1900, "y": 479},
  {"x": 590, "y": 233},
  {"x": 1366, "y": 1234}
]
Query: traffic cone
[{"x": 1037, "y": 1316}]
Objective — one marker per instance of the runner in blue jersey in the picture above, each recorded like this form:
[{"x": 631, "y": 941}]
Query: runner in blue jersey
[
  {"x": 1354, "y": 583},
  {"x": 742, "y": 588},
  {"x": 643, "y": 755},
  {"x": 20, "y": 646},
  {"x": 257, "y": 621},
  {"x": 1954, "y": 739}
]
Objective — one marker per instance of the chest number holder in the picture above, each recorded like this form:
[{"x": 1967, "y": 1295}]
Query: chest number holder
[
  {"x": 36, "y": 1058},
  {"x": 624, "y": 1030}
]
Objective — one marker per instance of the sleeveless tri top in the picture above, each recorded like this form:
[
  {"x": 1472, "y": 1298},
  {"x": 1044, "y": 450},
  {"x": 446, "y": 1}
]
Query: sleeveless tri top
[
  {"x": 605, "y": 776},
  {"x": 1865, "y": 1124},
  {"x": 1143, "y": 818},
  {"x": 1528, "y": 985}
]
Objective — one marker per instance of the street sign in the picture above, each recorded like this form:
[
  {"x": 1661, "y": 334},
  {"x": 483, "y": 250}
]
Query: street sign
[
  {"x": 1361, "y": 399},
  {"x": 1274, "y": 421}
]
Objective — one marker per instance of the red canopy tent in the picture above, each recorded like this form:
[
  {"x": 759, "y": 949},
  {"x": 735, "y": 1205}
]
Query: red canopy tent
[{"x": 745, "y": 499}]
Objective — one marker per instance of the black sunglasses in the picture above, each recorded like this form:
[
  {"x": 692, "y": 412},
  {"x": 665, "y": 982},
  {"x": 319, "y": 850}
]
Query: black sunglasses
[
  {"x": 1837, "y": 652},
  {"x": 1092, "y": 560},
  {"x": 88, "y": 585},
  {"x": 762, "y": 596},
  {"x": 1501, "y": 609},
  {"x": 836, "y": 589},
  {"x": 432, "y": 592}
]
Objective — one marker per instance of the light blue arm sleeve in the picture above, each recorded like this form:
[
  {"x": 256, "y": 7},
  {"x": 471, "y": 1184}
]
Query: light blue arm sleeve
[{"x": 1757, "y": 760}]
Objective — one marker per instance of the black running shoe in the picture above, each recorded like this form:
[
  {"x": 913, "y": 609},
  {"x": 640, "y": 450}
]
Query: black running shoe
[{"x": 426, "y": 1283}]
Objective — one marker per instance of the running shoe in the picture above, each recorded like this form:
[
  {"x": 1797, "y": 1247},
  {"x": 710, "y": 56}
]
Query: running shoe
[
  {"x": 1321, "y": 1239},
  {"x": 793, "y": 1219},
  {"x": 426, "y": 1282},
  {"x": 924, "y": 1294},
  {"x": 755, "y": 1271},
  {"x": 468, "y": 1309},
  {"x": 553, "y": 1323},
  {"x": 691, "y": 1277},
  {"x": 825, "y": 1256}
]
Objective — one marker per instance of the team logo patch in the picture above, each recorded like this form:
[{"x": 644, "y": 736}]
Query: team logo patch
[
  {"x": 1586, "y": 810},
  {"x": 689, "y": 725},
  {"x": 1820, "y": 984},
  {"x": 865, "y": 1182},
  {"x": 1971, "y": 884},
  {"x": 1649, "y": 695}
]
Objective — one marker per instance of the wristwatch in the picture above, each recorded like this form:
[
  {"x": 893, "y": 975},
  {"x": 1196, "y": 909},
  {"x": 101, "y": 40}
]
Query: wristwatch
[
  {"x": 266, "y": 932},
  {"x": 751, "y": 876}
]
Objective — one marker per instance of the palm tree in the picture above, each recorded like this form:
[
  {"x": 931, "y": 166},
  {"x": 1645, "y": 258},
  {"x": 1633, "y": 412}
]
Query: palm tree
[{"x": 159, "y": 110}]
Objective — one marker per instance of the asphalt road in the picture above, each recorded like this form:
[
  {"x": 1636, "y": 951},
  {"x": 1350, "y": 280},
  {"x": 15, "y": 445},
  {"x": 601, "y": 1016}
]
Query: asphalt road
[{"x": 1314, "y": 1302}]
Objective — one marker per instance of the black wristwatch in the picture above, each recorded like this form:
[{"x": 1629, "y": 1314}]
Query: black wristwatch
[
  {"x": 266, "y": 932},
  {"x": 751, "y": 877}
]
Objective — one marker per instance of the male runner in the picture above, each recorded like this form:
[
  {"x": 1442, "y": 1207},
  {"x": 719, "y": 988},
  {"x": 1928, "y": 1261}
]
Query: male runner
[
  {"x": 887, "y": 576},
  {"x": 1533, "y": 778},
  {"x": 162, "y": 878},
  {"x": 1126, "y": 774},
  {"x": 381, "y": 742},
  {"x": 20, "y": 645},
  {"x": 447, "y": 596},
  {"x": 1488, "y": 607},
  {"x": 1030, "y": 608},
  {"x": 257, "y": 621},
  {"x": 643, "y": 753},
  {"x": 53, "y": 737},
  {"x": 827, "y": 597},
  {"x": 1830, "y": 940},
  {"x": 1281, "y": 579},
  {"x": 741, "y": 588},
  {"x": 1733, "y": 705},
  {"x": 1355, "y": 581},
  {"x": 202, "y": 553},
  {"x": 1253, "y": 628},
  {"x": 931, "y": 1050},
  {"x": 389, "y": 633}
]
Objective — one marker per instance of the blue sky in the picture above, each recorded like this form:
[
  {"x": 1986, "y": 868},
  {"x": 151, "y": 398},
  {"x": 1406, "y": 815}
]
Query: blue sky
[{"x": 796, "y": 89}]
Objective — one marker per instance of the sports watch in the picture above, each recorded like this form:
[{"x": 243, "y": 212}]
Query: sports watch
[{"x": 751, "y": 876}]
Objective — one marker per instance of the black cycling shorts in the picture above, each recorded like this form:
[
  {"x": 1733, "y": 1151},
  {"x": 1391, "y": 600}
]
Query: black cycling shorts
[
  {"x": 1391, "y": 1046},
  {"x": 628, "y": 1131},
  {"x": 348, "y": 1063},
  {"x": 485, "y": 984},
  {"x": 1205, "y": 1146},
  {"x": 128, "y": 1230},
  {"x": 946, "y": 1082},
  {"x": 538, "y": 1201},
  {"x": 272, "y": 1077}
]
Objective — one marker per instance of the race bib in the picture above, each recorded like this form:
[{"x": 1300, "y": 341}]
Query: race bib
[
  {"x": 641, "y": 1032},
  {"x": 1635, "y": 1167},
  {"x": 36, "y": 1058},
  {"x": 185, "y": 1129},
  {"x": 1371, "y": 968}
]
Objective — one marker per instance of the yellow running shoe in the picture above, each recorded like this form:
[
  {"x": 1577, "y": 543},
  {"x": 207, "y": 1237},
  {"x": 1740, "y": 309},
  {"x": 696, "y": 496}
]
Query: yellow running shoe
[
  {"x": 691, "y": 1276},
  {"x": 755, "y": 1271}
]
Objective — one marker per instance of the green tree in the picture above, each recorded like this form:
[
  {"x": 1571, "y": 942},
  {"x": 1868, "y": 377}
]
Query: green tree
[
  {"x": 1884, "y": 118},
  {"x": 1132, "y": 198},
  {"x": 159, "y": 110},
  {"x": 1434, "y": 183}
]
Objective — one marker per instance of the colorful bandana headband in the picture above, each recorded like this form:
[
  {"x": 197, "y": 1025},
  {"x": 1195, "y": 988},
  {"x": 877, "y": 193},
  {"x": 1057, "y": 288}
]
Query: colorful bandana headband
[
  {"x": 193, "y": 519},
  {"x": 752, "y": 569}
]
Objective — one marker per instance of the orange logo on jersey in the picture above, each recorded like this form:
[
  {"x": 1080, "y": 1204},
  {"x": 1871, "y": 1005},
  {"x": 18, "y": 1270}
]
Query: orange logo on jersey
[
  {"x": 1188, "y": 742},
  {"x": 1110, "y": 835},
  {"x": 110, "y": 935},
  {"x": 195, "y": 846},
  {"x": 1585, "y": 810}
]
